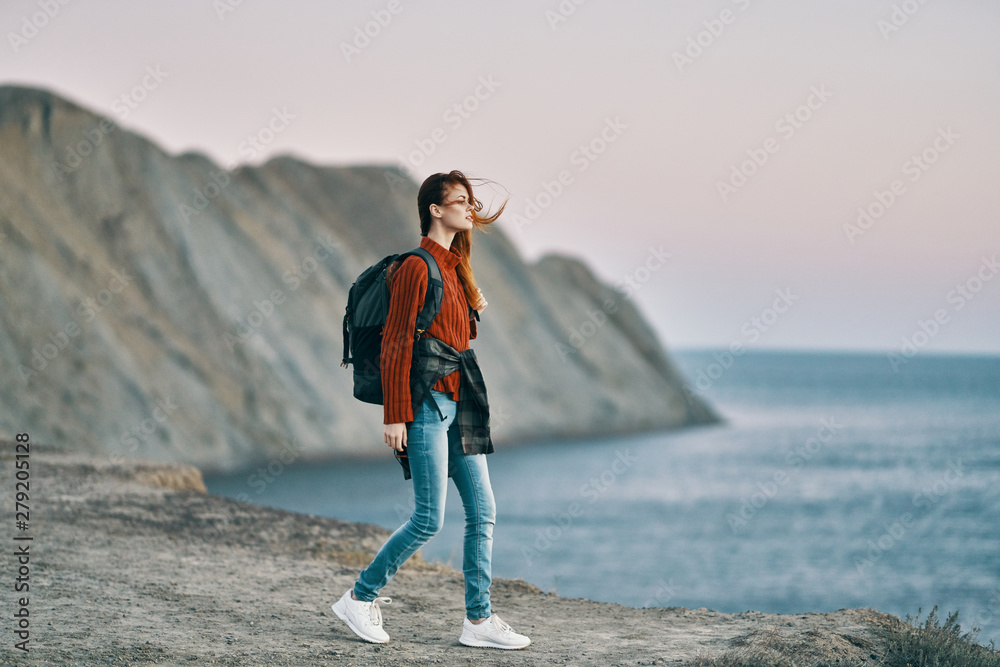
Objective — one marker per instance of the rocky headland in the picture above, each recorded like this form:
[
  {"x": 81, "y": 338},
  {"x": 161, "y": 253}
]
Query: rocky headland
[{"x": 165, "y": 307}]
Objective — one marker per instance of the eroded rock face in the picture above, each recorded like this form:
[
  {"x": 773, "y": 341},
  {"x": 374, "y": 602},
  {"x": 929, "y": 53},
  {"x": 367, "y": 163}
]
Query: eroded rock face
[{"x": 161, "y": 307}]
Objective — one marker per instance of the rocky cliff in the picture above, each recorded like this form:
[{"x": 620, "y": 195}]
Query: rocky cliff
[{"x": 162, "y": 307}]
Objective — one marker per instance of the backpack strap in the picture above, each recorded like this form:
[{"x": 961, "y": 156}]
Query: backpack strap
[
  {"x": 346, "y": 359},
  {"x": 432, "y": 305},
  {"x": 435, "y": 289}
]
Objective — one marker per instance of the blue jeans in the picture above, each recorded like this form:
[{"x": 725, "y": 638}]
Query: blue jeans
[{"x": 434, "y": 450}]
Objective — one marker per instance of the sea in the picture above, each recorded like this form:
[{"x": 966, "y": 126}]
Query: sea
[{"x": 833, "y": 480}]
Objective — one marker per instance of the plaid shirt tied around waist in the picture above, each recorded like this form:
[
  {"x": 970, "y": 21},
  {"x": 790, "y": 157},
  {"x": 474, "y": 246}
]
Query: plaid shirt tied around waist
[{"x": 432, "y": 360}]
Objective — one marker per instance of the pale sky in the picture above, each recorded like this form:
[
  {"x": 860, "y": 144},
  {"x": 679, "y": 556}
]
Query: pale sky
[{"x": 832, "y": 99}]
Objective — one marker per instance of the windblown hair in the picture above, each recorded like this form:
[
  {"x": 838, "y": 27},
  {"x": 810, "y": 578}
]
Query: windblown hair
[{"x": 432, "y": 191}]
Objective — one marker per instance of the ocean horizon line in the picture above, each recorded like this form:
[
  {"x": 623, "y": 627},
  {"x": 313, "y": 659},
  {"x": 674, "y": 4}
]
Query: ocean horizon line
[{"x": 678, "y": 349}]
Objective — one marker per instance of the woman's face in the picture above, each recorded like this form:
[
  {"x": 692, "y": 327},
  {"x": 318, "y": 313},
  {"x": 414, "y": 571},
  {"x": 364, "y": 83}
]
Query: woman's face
[{"x": 456, "y": 211}]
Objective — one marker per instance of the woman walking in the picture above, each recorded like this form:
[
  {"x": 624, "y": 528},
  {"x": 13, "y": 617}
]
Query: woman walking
[{"x": 438, "y": 425}]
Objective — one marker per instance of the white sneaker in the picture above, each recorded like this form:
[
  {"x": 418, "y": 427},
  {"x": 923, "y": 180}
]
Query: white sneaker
[
  {"x": 491, "y": 633},
  {"x": 365, "y": 618}
]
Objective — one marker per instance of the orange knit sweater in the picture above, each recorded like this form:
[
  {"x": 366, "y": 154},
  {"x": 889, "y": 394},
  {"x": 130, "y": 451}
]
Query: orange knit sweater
[{"x": 407, "y": 289}]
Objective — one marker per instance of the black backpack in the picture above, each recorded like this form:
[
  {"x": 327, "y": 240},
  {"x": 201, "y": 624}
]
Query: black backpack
[{"x": 367, "y": 309}]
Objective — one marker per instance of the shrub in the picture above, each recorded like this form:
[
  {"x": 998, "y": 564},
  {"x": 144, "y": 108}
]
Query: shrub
[{"x": 931, "y": 644}]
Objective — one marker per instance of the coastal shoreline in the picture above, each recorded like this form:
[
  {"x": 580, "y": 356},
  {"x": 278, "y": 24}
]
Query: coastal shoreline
[{"x": 133, "y": 562}]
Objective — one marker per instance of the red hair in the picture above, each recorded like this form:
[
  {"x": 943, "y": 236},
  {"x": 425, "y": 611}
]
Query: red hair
[{"x": 432, "y": 191}]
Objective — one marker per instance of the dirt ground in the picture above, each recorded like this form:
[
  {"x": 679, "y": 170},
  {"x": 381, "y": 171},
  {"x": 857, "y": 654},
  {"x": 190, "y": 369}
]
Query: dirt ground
[{"x": 132, "y": 563}]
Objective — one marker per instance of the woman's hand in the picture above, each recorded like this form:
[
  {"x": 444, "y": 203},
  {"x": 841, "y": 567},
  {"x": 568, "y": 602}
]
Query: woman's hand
[
  {"x": 482, "y": 301},
  {"x": 395, "y": 436}
]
